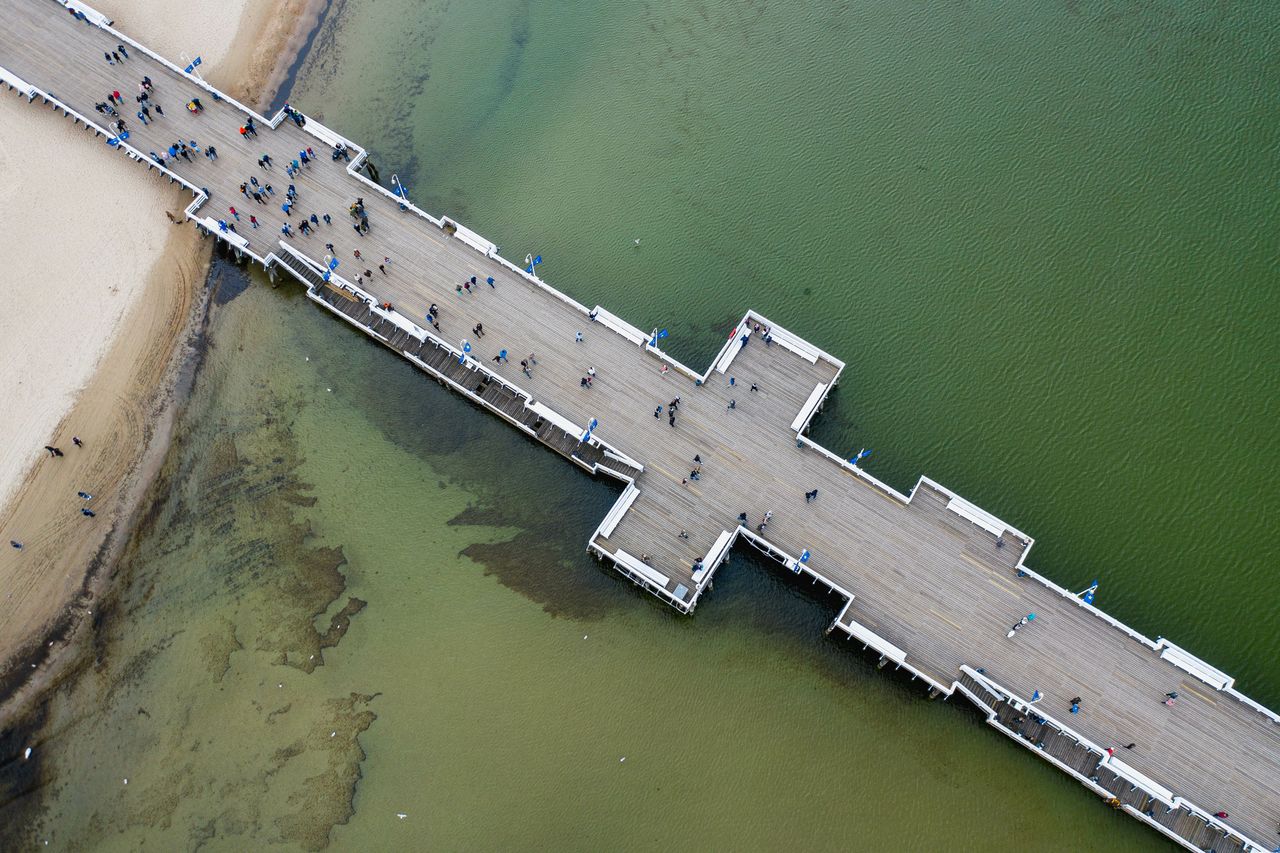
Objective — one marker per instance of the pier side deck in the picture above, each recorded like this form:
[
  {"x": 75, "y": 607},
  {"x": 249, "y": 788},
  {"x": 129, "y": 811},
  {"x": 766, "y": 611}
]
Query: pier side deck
[{"x": 929, "y": 581}]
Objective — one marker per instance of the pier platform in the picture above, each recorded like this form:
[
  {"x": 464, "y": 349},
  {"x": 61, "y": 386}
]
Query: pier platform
[{"x": 926, "y": 581}]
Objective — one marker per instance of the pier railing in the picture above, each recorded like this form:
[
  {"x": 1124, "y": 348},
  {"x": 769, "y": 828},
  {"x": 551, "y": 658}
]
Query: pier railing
[{"x": 983, "y": 691}]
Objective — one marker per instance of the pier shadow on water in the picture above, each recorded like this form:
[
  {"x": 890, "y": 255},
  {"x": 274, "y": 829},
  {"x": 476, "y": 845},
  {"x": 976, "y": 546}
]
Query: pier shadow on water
[{"x": 314, "y": 630}]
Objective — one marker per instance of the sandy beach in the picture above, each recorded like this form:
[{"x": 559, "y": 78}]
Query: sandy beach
[{"x": 102, "y": 366}]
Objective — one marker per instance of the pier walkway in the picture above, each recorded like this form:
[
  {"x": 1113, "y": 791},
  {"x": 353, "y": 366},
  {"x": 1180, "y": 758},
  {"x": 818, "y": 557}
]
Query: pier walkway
[{"x": 928, "y": 581}]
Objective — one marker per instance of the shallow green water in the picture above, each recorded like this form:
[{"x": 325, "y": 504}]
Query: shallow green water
[{"x": 1039, "y": 237}]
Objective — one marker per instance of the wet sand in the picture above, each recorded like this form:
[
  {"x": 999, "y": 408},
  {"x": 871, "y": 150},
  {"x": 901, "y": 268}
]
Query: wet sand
[{"x": 127, "y": 286}]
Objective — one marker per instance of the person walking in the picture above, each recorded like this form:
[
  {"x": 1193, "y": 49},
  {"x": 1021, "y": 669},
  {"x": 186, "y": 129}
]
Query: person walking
[
  {"x": 524, "y": 368},
  {"x": 123, "y": 52},
  {"x": 234, "y": 213},
  {"x": 75, "y": 439},
  {"x": 253, "y": 220},
  {"x": 53, "y": 451},
  {"x": 160, "y": 111},
  {"x": 88, "y": 513},
  {"x": 478, "y": 331},
  {"x": 577, "y": 338},
  {"x": 107, "y": 56}
]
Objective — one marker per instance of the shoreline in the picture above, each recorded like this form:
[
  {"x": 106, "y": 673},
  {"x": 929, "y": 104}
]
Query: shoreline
[{"x": 127, "y": 407}]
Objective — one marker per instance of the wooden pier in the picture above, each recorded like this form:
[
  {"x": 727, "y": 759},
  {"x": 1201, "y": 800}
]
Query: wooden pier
[{"x": 927, "y": 581}]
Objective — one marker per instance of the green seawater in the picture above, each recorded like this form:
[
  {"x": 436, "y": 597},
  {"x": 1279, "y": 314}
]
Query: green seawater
[{"x": 1042, "y": 237}]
